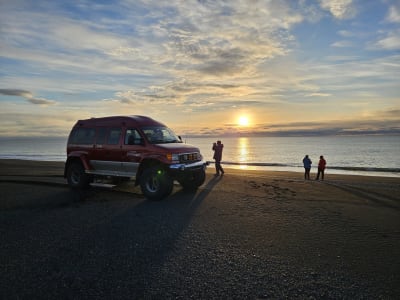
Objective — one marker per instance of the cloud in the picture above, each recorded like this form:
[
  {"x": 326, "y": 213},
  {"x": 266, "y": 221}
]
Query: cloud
[
  {"x": 345, "y": 77},
  {"x": 338, "y": 58},
  {"x": 342, "y": 44},
  {"x": 372, "y": 128},
  {"x": 152, "y": 95},
  {"x": 327, "y": 128},
  {"x": 319, "y": 95},
  {"x": 15, "y": 92},
  {"x": 166, "y": 41},
  {"x": 340, "y": 9},
  {"x": 390, "y": 42},
  {"x": 218, "y": 39},
  {"x": 393, "y": 15},
  {"x": 36, "y": 123},
  {"x": 27, "y": 95},
  {"x": 163, "y": 57},
  {"x": 346, "y": 33},
  {"x": 391, "y": 113},
  {"x": 40, "y": 101}
]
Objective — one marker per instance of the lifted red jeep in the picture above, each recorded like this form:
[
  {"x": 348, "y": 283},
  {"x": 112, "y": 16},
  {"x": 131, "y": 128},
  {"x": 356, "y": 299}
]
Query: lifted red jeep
[{"x": 132, "y": 147}]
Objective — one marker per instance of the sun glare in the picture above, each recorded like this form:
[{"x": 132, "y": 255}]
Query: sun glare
[{"x": 243, "y": 121}]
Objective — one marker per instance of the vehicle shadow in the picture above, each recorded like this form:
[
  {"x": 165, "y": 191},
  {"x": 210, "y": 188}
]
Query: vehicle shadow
[
  {"x": 113, "y": 241},
  {"x": 110, "y": 242},
  {"x": 193, "y": 199},
  {"x": 154, "y": 229}
]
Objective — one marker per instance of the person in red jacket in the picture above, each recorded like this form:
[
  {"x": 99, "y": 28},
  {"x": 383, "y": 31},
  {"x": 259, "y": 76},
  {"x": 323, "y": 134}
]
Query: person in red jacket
[
  {"x": 321, "y": 167},
  {"x": 217, "y": 147}
]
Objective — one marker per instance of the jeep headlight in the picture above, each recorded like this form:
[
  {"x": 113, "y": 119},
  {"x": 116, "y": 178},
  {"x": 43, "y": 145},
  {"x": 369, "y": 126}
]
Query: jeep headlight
[{"x": 173, "y": 157}]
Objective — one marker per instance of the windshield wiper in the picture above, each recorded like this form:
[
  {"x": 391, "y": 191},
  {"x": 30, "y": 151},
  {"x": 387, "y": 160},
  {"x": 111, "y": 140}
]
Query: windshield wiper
[{"x": 174, "y": 141}]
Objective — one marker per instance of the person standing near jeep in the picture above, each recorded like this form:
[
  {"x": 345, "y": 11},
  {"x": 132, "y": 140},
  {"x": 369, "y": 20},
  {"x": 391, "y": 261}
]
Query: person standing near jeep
[{"x": 217, "y": 148}]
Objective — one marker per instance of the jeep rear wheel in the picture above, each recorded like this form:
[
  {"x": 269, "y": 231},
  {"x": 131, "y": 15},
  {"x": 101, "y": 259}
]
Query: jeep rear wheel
[
  {"x": 155, "y": 184},
  {"x": 76, "y": 176}
]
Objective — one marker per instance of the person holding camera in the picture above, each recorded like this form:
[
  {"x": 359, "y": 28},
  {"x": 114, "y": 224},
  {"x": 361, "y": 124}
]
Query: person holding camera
[{"x": 217, "y": 148}]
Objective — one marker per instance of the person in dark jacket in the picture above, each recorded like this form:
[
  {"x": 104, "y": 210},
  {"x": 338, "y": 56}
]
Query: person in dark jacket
[
  {"x": 307, "y": 167},
  {"x": 321, "y": 167},
  {"x": 217, "y": 148}
]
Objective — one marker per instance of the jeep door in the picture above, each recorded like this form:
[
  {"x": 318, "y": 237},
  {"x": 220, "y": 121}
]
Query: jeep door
[
  {"x": 107, "y": 154},
  {"x": 133, "y": 150}
]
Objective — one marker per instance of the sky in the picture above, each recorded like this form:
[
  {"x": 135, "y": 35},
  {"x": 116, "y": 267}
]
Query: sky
[{"x": 205, "y": 67}]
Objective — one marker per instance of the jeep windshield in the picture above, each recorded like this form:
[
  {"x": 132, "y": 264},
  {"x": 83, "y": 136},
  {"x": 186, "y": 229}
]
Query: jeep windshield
[{"x": 160, "y": 135}]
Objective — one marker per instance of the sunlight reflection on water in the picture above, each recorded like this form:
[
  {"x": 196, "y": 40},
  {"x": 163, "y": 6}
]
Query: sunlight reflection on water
[{"x": 243, "y": 149}]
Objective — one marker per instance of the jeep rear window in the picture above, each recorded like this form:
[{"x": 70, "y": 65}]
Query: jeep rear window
[
  {"x": 160, "y": 135},
  {"x": 82, "y": 136}
]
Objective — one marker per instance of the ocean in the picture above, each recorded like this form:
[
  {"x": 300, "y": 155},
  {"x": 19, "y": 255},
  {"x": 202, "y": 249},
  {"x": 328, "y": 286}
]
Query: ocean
[{"x": 359, "y": 155}]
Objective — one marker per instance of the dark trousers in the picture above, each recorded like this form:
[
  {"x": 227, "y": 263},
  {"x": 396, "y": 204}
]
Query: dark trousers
[
  {"x": 320, "y": 171},
  {"x": 218, "y": 167},
  {"x": 307, "y": 173}
]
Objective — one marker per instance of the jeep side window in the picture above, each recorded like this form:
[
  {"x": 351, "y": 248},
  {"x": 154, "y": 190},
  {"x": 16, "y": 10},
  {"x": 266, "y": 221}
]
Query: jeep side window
[
  {"x": 83, "y": 136},
  {"x": 101, "y": 136},
  {"x": 113, "y": 136},
  {"x": 132, "y": 137}
]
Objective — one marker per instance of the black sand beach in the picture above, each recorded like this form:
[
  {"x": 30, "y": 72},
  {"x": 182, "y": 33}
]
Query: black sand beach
[{"x": 246, "y": 235}]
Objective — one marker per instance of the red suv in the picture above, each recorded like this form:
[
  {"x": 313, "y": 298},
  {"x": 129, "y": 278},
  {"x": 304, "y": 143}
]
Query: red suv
[{"x": 132, "y": 146}]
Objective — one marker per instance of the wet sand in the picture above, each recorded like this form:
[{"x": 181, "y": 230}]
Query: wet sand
[{"x": 248, "y": 234}]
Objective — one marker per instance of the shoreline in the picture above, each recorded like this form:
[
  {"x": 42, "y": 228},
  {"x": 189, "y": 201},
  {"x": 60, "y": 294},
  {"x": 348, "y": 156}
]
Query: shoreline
[{"x": 333, "y": 170}]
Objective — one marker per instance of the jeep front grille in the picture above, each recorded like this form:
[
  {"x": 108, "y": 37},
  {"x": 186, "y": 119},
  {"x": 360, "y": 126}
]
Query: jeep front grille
[{"x": 189, "y": 157}]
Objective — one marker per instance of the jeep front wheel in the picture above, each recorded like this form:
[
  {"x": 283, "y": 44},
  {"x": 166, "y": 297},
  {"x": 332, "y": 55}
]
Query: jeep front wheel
[
  {"x": 191, "y": 183},
  {"x": 76, "y": 176},
  {"x": 155, "y": 184}
]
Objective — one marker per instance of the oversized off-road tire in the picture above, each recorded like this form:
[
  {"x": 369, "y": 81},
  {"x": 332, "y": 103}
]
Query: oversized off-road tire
[
  {"x": 155, "y": 183},
  {"x": 192, "y": 182},
  {"x": 76, "y": 176}
]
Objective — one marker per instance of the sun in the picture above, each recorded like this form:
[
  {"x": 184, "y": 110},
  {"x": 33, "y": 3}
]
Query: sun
[{"x": 243, "y": 121}]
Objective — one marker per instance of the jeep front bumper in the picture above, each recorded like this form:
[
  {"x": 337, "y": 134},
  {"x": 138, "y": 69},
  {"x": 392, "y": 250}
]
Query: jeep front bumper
[{"x": 198, "y": 165}]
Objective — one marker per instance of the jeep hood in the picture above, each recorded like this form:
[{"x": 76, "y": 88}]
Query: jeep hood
[{"x": 177, "y": 147}]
